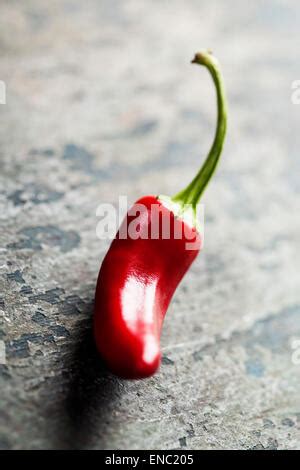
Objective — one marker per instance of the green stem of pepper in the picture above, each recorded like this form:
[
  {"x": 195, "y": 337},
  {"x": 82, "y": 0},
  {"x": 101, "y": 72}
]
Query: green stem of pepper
[{"x": 192, "y": 193}]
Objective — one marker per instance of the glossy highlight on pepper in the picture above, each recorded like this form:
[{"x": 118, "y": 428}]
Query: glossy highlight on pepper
[{"x": 139, "y": 276}]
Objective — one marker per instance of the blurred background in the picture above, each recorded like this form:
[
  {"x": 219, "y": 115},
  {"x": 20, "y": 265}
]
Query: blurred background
[{"x": 101, "y": 101}]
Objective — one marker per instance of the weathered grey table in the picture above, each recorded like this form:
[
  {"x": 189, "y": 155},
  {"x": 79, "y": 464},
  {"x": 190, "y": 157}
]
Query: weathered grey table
[{"x": 102, "y": 101}]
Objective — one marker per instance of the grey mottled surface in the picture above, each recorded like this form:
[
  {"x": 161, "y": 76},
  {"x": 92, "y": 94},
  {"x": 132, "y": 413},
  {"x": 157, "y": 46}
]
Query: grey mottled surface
[{"x": 102, "y": 101}]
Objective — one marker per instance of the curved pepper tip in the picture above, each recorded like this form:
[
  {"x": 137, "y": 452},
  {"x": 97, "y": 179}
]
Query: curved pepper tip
[
  {"x": 136, "y": 368},
  {"x": 136, "y": 358}
]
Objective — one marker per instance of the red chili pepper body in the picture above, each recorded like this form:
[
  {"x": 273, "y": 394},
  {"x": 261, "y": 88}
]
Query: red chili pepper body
[
  {"x": 135, "y": 285},
  {"x": 139, "y": 275}
]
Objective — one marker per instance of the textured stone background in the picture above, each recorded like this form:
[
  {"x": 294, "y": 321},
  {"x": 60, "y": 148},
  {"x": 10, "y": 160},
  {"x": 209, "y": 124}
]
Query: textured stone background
[{"x": 102, "y": 101}]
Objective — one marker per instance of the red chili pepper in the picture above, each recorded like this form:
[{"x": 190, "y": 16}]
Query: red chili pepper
[{"x": 138, "y": 277}]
